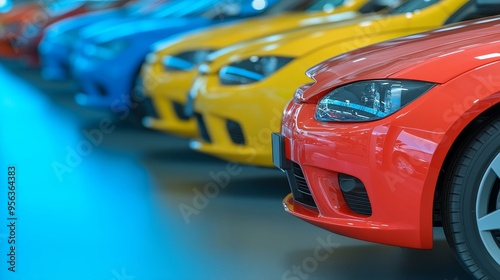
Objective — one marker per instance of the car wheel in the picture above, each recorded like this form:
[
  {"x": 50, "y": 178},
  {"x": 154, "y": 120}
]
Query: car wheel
[{"x": 471, "y": 213}]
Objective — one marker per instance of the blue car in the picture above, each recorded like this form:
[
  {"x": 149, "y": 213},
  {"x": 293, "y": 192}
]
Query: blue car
[
  {"x": 106, "y": 64},
  {"x": 59, "y": 38}
]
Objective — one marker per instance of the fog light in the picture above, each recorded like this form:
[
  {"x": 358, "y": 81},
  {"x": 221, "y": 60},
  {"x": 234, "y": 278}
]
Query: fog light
[{"x": 355, "y": 194}]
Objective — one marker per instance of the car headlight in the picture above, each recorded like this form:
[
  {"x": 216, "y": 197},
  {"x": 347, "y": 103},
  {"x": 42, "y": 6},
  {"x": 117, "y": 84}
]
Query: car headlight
[
  {"x": 31, "y": 30},
  {"x": 251, "y": 70},
  {"x": 65, "y": 38},
  {"x": 107, "y": 50},
  {"x": 185, "y": 61},
  {"x": 368, "y": 100}
]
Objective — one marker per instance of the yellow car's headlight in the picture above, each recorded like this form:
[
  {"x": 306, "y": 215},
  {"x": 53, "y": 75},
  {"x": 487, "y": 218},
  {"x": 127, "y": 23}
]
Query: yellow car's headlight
[
  {"x": 252, "y": 70},
  {"x": 368, "y": 100},
  {"x": 185, "y": 61}
]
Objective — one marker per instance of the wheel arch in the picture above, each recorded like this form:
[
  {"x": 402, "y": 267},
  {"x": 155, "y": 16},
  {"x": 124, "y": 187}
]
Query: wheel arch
[{"x": 463, "y": 135}]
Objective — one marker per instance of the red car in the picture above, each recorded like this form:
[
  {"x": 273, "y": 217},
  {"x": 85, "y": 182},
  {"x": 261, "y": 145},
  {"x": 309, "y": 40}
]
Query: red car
[
  {"x": 21, "y": 29},
  {"x": 10, "y": 26},
  {"x": 397, "y": 137}
]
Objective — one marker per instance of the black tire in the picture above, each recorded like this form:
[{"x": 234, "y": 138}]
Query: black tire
[{"x": 472, "y": 201}]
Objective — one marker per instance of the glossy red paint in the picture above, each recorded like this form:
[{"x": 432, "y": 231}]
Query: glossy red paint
[
  {"x": 398, "y": 158},
  {"x": 11, "y": 27},
  {"x": 30, "y": 21}
]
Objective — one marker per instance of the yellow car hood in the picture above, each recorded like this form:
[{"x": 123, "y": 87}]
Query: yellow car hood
[
  {"x": 295, "y": 43},
  {"x": 227, "y": 34},
  {"x": 344, "y": 36}
]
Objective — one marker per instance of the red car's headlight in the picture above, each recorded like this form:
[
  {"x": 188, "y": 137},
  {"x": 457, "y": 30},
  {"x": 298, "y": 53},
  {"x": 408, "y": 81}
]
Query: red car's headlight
[{"x": 368, "y": 100}]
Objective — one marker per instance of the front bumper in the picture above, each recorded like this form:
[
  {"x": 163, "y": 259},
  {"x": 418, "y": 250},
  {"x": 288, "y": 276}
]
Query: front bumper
[
  {"x": 391, "y": 161},
  {"x": 236, "y": 122},
  {"x": 167, "y": 91},
  {"x": 103, "y": 83},
  {"x": 54, "y": 60},
  {"x": 7, "y": 50}
]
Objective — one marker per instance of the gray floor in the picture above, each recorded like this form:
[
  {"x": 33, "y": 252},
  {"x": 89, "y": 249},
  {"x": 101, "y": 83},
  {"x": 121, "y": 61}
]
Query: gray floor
[{"x": 114, "y": 211}]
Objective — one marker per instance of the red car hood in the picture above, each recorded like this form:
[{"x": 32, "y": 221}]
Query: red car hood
[
  {"x": 436, "y": 56},
  {"x": 19, "y": 11}
]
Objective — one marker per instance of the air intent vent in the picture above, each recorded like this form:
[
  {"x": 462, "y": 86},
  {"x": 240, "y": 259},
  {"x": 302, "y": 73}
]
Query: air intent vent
[
  {"x": 202, "y": 128},
  {"x": 179, "y": 111},
  {"x": 355, "y": 194},
  {"x": 298, "y": 185},
  {"x": 235, "y": 132}
]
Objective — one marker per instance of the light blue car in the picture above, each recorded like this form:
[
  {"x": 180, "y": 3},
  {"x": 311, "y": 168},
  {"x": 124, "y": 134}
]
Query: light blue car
[{"x": 106, "y": 64}]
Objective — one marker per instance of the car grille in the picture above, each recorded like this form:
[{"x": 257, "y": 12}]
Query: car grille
[
  {"x": 301, "y": 180},
  {"x": 235, "y": 132},
  {"x": 298, "y": 185},
  {"x": 205, "y": 136},
  {"x": 355, "y": 194},
  {"x": 359, "y": 202}
]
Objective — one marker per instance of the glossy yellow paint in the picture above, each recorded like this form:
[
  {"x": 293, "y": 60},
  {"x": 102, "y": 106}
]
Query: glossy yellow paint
[
  {"x": 170, "y": 87},
  {"x": 257, "y": 107}
]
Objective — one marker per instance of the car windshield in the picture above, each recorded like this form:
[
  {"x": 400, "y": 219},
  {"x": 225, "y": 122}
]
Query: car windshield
[
  {"x": 303, "y": 5},
  {"x": 152, "y": 8},
  {"x": 59, "y": 7},
  {"x": 218, "y": 9},
  {"x": 100, "y": 4},
  {"x": 411, "y": 6},
  {"x": 324, "y": 5},
  {"x": 182, "y": 8}
]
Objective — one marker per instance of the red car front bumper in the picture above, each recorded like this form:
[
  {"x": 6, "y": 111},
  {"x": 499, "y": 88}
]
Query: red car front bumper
[
  {"x": 384, "y": 168},
  {"x": 7, "y": 50}
]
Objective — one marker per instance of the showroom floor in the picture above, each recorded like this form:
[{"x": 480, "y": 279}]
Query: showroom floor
[{"x": 110, "y": 208}]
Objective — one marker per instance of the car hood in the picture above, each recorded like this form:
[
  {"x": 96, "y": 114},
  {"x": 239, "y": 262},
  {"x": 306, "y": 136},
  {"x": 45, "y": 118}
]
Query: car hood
[
  {"x": 77, "y": 22},
  {"x": 20, "y": 11},
  {"x": 216, "y": 38},
  {"x": 106, "y": 25},
  {"x": 298, "y": 42},
  {"x": 461, "y": 47},
  {"x": 146, "y": 25}
]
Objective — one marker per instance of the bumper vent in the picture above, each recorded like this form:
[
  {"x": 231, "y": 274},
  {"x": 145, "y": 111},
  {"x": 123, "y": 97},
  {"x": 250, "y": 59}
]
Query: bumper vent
[
  {"x": 179, "y": 111},
  {"x": 205, "y": 136},
  {"x": 355, "y": 194},
  {"x": 298, "y": 184},
  {"x": 101, "y": 89},
  {"x": 235, "y": 132}
]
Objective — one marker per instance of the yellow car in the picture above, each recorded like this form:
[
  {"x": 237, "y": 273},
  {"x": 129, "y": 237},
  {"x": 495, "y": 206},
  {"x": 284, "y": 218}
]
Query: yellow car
[
  {"x": 239, "y": 96},
  {"x": 169, "y": 71}
]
